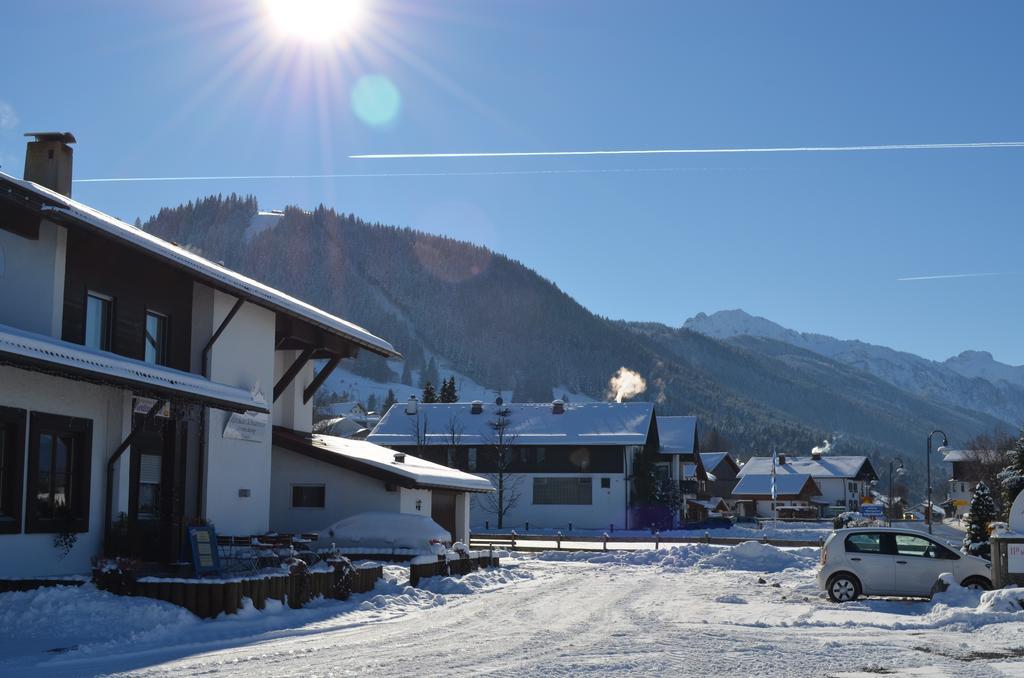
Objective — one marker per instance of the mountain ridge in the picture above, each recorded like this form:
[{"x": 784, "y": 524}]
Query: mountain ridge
[{"x": 508, "y": 328}]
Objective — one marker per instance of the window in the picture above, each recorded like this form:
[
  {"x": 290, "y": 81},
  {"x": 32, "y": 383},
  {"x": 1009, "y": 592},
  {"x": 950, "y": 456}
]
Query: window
[
  {"x": 308, "y": 496},
  {"x": 156, "y": 338},
  {"x": 606, "y": 483},
  {"x": 471, "y": 459},
  {"x": 852, "y": 486},
  {"x": 12, "y": 452},
  {"x": 60, "y": 452},
  {"x": 910, "y": 545},
  {"x": 149, "y": 485},
  {"x": 576, "y": 491},
  {"x": 864, "y": 542},
  {"x": 98, "y": 321},
  {"x": 541, "y": 454}
]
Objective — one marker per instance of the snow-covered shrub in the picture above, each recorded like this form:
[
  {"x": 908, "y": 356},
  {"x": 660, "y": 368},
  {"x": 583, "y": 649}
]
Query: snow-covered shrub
[
  {"x": 117, "y": 575},
  {"x": 1012, "y": 477}
]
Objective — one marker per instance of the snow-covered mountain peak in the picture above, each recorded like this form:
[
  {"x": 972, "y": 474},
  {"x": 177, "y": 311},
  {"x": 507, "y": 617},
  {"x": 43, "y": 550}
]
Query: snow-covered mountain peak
[{"x": 981, "y": 364}]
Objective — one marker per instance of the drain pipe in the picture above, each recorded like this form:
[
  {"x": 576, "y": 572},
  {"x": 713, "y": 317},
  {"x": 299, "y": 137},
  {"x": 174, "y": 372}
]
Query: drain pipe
[
  {"x": 205, "y": 367},
  {"x": 125, "y": 444}
]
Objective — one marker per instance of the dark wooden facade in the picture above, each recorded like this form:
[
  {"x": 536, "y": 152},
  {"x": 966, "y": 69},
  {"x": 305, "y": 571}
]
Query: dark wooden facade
[
  {"x": 136, "y": 284},
  {"x": 527, "y": 458}
]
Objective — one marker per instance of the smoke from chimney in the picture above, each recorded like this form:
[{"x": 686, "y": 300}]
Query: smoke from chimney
[
  {"x": 625, "y": 384},
  {"x": 821, "y": 450}
]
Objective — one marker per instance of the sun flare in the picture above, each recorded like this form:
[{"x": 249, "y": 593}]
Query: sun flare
[{"x": 319, "y": 21}]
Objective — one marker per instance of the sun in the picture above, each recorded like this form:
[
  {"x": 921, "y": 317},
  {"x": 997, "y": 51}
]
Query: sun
[{"x": 320, "y": 21}]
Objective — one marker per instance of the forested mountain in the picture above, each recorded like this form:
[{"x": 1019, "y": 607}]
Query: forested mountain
[{"x": 493, "y": 319}]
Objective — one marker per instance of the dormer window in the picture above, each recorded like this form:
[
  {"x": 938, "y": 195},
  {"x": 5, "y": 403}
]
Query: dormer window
[{"x": 98, "y": 320}]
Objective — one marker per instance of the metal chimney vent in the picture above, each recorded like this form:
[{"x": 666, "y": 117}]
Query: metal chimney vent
[
  {"x": 558, "y": 407},
  {"x": 476, "y": 408},
  {"x": 399, "y": 457}
]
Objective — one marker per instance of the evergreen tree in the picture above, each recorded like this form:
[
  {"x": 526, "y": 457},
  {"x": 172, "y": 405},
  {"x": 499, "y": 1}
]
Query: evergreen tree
[
  {"x": 389, "y": 401},
  {"x": 448, "y": 392},
  {"x": 371, "y": 403},
  {"x": 429, "y": 394},
  {"x": 1012, "y": 477},
  {"x": 407, "y": 373},
  {"x": 981, "y": 512}
]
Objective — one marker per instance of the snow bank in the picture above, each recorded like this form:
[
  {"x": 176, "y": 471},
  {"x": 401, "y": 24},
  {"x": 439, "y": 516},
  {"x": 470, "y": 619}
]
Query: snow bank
[
  {"x": 1002, "y": 600},
  {"x": 71, "y": 625},
  {"x": 755, "y": 556},
  {"x": 384, "y": 531},
  {"x": 475, "y": 582},
  {"x": 749, "y": 556}
]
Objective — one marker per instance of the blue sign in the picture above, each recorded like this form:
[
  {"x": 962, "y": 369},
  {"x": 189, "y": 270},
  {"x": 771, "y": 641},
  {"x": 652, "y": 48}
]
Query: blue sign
[
  {"x": 872, "y": 510},
  {"x": 204, "y": 550}
]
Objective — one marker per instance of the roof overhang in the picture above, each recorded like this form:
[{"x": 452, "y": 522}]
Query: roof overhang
[
  {"x": 62, "y": 210},
  {"x": 306, "y": 445},
  {"x": 39, "y": 353}
]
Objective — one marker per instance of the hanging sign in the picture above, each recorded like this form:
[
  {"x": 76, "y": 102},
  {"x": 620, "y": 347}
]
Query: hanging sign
[
  {"x": 144, "y": 405},
  {"x": 251, "y": 426}
]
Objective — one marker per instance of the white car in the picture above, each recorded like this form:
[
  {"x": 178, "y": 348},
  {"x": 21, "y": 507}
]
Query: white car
[{"x": 880, "y": 561}]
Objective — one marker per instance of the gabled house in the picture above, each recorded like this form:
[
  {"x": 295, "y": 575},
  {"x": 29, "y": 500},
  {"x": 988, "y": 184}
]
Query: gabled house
[
  {"x": 795, "y": 496},
  {"x": 138, "y": 381},
  {"x": 318, "y": 480},
  {"x": 569, "y": 463},
  {"x": 679, "y": 440},
  {"x": 963, "y": 477},
  {"x": 722, "y": 471},
  {"x": 844, "y": 481}
]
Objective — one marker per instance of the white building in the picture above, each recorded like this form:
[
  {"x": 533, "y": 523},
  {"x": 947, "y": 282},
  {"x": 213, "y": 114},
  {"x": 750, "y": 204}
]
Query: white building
[
  {"x": 318, "y": 480},
  {"x": 963, "y": 475},
  {"x": 138, "y": 381},
  {"x": 844, "y": 481},
  {"x": 567, "y": 463}
]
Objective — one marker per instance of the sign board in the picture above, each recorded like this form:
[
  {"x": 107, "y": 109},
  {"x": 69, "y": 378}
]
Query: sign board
[
  {"x": 251, "y": 426},
  {"x": 1015, "y": 558},
  {"x": 144, "y": 405},
  {"x": 872, "y": 510},
  {"x": 204, "y": 550}
]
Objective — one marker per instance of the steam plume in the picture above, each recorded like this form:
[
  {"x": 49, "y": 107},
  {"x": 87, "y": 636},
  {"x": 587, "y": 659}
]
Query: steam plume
[
  {"x": 823, "y": 449},
  {"x": 625, "y": 384}
]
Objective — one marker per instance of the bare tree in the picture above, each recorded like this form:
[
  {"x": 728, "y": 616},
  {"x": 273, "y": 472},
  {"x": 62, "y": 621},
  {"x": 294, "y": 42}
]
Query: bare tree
[
  {"x": 454, "y": 435},
  {"x": 501, "y": 447}
]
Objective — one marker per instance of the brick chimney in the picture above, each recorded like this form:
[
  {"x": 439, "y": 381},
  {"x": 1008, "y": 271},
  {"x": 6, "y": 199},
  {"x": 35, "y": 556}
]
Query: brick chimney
[{"x": 48, "y": 160}]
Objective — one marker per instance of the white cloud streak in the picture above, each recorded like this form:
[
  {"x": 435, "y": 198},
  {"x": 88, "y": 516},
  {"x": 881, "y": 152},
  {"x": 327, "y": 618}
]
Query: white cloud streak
[
  {"x": 8, "y": 118},
  {"x": 694, "y": 151},
  {"x": 947, "y": 276},
  {"x": 388, "y": 175}
]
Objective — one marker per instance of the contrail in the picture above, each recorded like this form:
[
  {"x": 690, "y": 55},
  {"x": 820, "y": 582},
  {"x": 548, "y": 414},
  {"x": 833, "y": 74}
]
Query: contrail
[
  {"x": 946, "y": 276},
  {"x": 261, "y": 177},
  {"x": 678, "y": 151}
]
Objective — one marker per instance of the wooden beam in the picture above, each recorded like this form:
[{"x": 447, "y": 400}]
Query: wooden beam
[
  {"x": 292, "y": 372},
  {"x": 319, "y": 379}
]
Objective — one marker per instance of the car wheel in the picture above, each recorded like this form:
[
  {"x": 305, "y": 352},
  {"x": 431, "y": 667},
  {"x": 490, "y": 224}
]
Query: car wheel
[
  {"x": 977, "y": 584},
  {"x": 843, "y": 588}
]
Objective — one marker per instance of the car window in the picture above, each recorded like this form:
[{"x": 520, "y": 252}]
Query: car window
[
  {"x": 864, "y": 542},
  {"x": 911, "y": 545}
]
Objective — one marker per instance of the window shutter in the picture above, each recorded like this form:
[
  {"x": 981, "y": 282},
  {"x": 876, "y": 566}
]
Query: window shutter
[{"x": 149, "y": 468}]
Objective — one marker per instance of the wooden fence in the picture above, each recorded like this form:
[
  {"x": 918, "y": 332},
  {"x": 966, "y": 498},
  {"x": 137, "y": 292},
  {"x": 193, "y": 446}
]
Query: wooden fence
[{"x": 529, "y": 542}]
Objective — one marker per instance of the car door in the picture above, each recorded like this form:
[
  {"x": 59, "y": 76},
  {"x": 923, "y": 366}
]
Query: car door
[
  {"x": 871, "y": 560},
  {"x": 919, "y": 562}
]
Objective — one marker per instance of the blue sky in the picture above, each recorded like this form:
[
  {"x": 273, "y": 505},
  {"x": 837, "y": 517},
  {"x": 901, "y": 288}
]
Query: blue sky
[{"x": 813, "y": 241}]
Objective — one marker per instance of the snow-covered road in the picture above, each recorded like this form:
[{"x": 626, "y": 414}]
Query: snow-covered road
[{"x": 691, "y": 610}]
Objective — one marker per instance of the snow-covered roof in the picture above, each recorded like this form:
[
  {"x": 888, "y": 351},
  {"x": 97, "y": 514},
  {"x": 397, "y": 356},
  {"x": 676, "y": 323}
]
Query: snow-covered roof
[
  {"x": 758, "y": 485},
  {"x": 46, "y": 354},
  {"x": 968, "y": 455},
  {"x": 711, "y": 460},
  {"x": 61, "y": 208},
  {"x": 528, "y": 423},
  {"x": 363, "y": 456},
  {"x": 677, "y": 435},
  {"x": 823, "y": 467}
]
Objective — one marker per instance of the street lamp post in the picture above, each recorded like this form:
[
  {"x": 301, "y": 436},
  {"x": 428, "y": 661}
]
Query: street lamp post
[
  {"x": 928, "y": 469},
  {"x": 893, "y": 470}
]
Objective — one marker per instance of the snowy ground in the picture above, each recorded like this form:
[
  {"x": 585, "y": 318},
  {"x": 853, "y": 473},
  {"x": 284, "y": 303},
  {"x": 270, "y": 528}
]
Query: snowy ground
[{"x": 691, "y": 609}]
